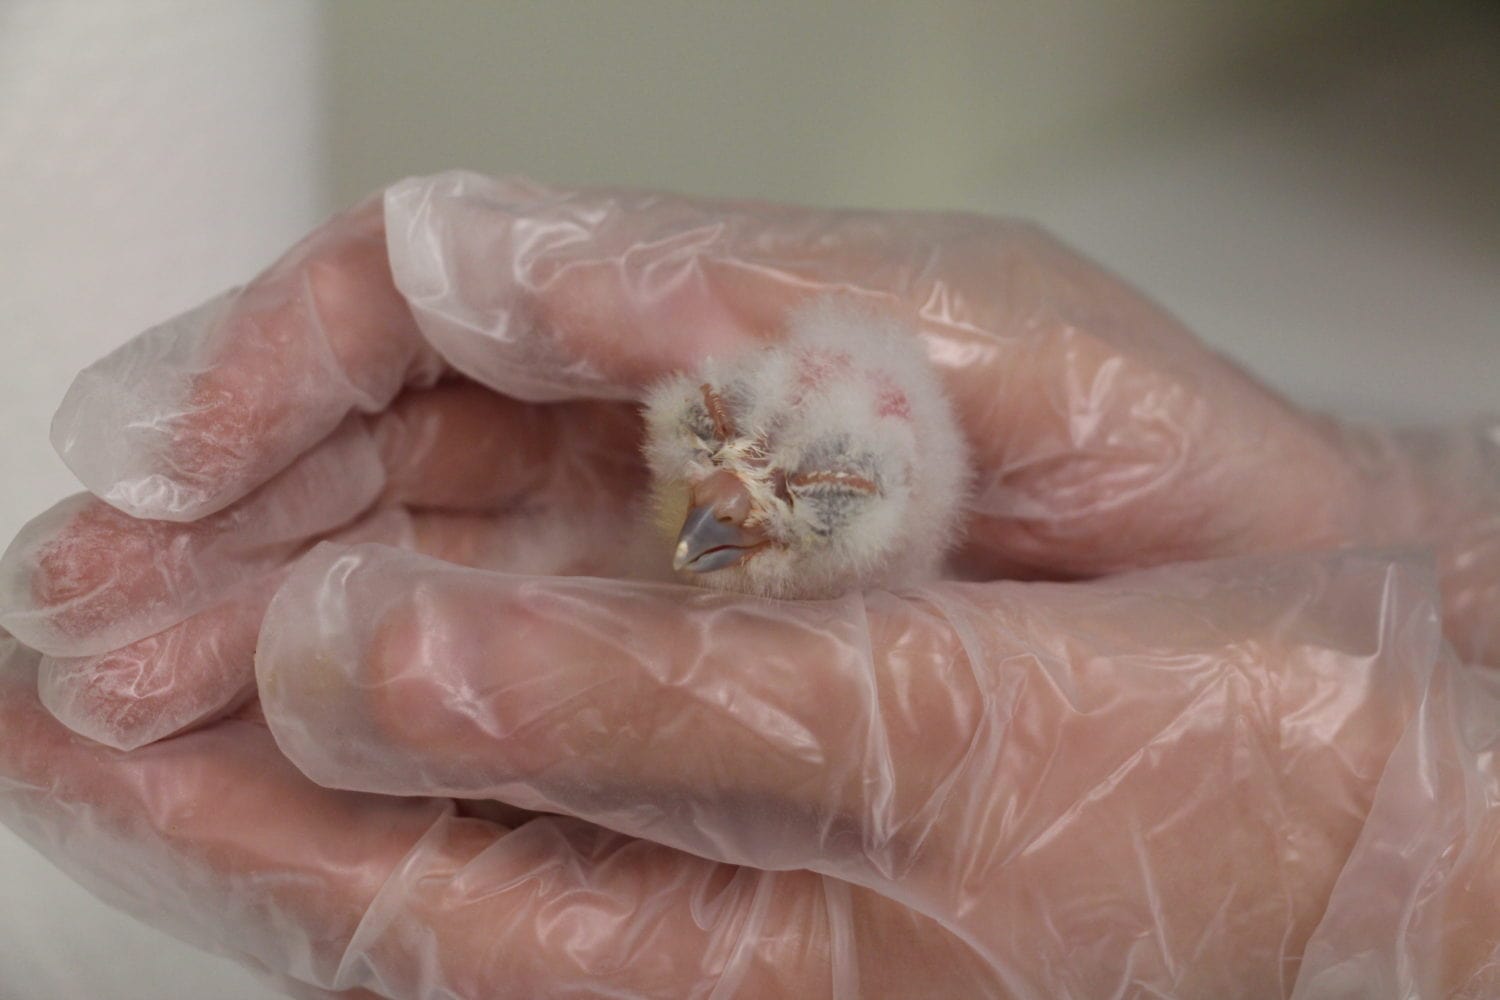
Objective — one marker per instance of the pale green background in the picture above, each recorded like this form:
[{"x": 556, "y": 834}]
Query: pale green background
[{"x": 1311, "y": 185}]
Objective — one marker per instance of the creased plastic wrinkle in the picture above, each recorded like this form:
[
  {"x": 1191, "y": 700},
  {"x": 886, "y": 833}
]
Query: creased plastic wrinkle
[{"x": 362, "y": 662}]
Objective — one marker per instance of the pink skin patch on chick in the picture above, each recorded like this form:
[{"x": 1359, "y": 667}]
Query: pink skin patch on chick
[
  {"x": 817, "y": 367},
  {"x": 890, "y": 400}
]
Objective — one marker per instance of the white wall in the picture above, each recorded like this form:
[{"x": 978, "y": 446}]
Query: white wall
[{"x": 151, "y": 153}]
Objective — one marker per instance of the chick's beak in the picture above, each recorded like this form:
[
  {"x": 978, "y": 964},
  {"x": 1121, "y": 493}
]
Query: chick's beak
[{"x": 714, "y": 535}]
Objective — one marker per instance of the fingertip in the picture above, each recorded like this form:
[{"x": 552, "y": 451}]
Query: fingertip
[
  {"x": 119, "y": 425},
  {"x": 192, "y": 415},
  {"x": 56, "y": 567},
  {"x": 183, "y": 676},
  {"x": 385, "y": 648},
  {"x": 305, "y": 655},
  {"x": 92, "y": 697},
  {"x": 84, "y": 578}
]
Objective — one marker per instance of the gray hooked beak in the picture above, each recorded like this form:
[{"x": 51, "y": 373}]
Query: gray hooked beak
[{"x": 709, "y": 542}]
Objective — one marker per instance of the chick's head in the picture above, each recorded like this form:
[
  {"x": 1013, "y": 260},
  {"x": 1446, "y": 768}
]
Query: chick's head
[{"x": 790, "y": 470}]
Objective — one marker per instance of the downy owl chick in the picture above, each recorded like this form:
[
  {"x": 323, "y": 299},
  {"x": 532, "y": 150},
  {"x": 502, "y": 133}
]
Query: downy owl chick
[{"x": 827, "y": 462}]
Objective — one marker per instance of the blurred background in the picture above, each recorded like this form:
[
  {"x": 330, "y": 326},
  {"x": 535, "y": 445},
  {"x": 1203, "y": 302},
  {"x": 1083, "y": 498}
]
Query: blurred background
[{"x": 1314, "y": 186}]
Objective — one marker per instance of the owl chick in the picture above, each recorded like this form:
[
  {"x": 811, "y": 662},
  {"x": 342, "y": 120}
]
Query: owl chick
[{"x": 827, "y": 462}]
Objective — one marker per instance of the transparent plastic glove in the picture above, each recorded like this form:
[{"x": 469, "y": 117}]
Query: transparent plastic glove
[
  {"x": 1106, "y": 437},
  {"x": 1146, "y": 785}
]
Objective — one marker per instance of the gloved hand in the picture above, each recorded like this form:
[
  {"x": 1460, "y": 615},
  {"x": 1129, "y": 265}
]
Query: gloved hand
[
  {"x": 1251, "y": 778},
  {"x": 1106, "y": 439}
]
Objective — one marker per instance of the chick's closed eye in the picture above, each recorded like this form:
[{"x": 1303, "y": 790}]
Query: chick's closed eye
[{"x": 829, "y": 461}]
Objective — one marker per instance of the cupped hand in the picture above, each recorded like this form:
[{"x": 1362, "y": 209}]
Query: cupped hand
[
  {"x": 452, "y": 370},
  {"x": 1240, "y": 778},
  {"x": 1105, "y": 437}
]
